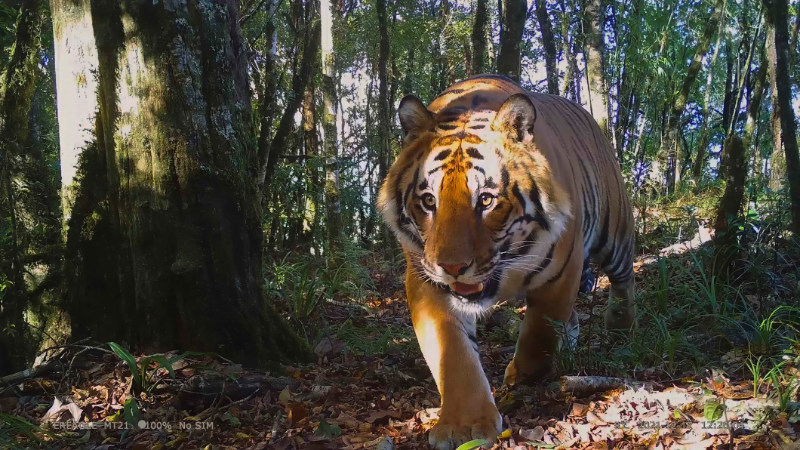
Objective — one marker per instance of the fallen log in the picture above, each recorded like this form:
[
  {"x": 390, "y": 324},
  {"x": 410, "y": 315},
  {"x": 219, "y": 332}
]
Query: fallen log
[{"x": 585, "y": 385}]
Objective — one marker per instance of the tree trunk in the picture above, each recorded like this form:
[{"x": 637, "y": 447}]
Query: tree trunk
[
  {"x": 570, "y": 74},
  {"x": 164, "y": 234},
  {"x": 15, "y": 101},
  {"x": 777, "y": 160},
  {"x": 311, "y": 142},
  {"x": 754, "y": 108},
  {"x": 729, "y": 205},
  {"x": 702, "y": 145},
  {"x": 669, "y": 142},
  {"x": 330, "y": 144},
  {"x": 549, "y": 46},
  {"x": 594, "y": 23},
  {"x": 779, "y": 11},
  {"x": 479, "y": 38},
  {"x": 267, "y": 87},
  {"x": 512, "y": 18}
]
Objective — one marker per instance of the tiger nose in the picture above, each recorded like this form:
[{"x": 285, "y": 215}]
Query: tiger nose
[{"x": 454, "y": 269}]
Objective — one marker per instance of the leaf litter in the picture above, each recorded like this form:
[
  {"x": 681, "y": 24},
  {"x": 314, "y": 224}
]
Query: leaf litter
[{"x": 354, "y": 400}]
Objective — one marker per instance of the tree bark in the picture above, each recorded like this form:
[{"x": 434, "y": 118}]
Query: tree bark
[
  {"x": 513, "y": 14},
  {"x": 330, "y": 144},
  {"x": 549, "y": 46},
  {"x": 669, "y": 142},
  {"x": 594, "y": 37},
  {"x": 779, "y": 12},
  {"x": 164, "y": 233},
  {"x": 479, "y": 38}
]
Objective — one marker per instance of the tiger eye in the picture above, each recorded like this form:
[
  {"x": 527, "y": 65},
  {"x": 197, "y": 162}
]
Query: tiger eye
[
  {"x": 428, "y": 200},
  {"x": 486, "y": 200}
]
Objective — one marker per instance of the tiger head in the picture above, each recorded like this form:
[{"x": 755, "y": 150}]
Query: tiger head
[{"x": 471, "y": 197}]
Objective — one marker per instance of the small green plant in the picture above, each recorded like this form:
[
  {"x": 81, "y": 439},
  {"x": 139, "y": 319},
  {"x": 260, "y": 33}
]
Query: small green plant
[
  {"x": 767, "y": 332},
  {"x": 13, "y": 426},
  {"x": 783, "y": 394},
  {"x": 144, "y": 377},
  {"x": 755, "y": 368}
]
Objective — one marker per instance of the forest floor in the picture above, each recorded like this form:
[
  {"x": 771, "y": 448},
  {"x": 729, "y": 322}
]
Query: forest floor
[{"x": 688, "y": 372}]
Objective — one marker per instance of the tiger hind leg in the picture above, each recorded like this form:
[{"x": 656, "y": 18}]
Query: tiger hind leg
[{"x": 621, "y": 311}]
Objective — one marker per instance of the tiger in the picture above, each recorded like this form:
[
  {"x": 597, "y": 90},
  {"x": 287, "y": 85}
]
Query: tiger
[{"x": 498, "y": 194}]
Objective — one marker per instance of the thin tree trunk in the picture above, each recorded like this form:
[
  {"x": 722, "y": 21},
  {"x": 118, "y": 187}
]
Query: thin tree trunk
[
  {"x": 754, "y": 108},
  {"x": 330, "y": 144},
  {"x": 594, "y": 37},
  {"x": 568, "y": 90},
  {"x": 165, "y": 227},
  {"x": 311, "y": 139},
  {"x": 549, "y": 46},
  {"x": 777, "y": 159},
  {"x": 479, "y": 38},
  {"x": 513, "y": 14},
  {"x": 779, "y": 12},
  {"x": 268, "y": 89},
  {"x": 669, "y": 143}
]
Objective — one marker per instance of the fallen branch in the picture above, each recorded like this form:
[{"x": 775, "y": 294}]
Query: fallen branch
[
  {"x": 591, "y": 384},
  {"x": 238, "y": 389}
]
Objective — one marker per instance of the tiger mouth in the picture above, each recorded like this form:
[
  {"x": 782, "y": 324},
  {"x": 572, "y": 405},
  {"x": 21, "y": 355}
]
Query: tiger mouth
[{"x": 473, "y": 292}]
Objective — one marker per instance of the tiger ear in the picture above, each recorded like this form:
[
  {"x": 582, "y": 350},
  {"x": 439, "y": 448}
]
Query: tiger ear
[
  {"x": 516, "y": 118},
  {"x": 413, "y": 114}
]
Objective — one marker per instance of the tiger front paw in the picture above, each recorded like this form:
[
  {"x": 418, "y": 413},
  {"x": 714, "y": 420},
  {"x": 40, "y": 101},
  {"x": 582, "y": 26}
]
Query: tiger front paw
[{"x": 465, "y": 425}]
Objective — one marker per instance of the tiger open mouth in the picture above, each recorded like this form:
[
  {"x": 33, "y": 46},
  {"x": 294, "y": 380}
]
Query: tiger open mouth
[{"x": 473, "y": 292}]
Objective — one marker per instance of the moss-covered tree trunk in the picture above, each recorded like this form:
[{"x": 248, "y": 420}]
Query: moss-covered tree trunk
[
  {"x": 725, "y": 248},
  {"x": 164, "y": 227}
]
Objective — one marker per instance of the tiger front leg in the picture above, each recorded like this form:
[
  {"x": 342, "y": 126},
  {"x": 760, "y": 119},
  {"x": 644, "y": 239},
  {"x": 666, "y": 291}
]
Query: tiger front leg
[
  {"x": 447, "y": 340},
  {"x": 539, "y": 339}
]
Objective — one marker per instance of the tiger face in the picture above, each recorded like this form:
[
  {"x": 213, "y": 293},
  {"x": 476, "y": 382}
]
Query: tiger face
[{"x": 472, "y": 200}]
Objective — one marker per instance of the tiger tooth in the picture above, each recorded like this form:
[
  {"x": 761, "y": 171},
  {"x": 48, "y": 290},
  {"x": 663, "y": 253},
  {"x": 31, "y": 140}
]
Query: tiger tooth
[{"x": 480, "y": 287}]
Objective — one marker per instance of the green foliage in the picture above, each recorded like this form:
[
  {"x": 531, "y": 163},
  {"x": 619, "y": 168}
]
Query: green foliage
[
  {"x": 713, "y": 410},
  {"x": 303, "y": 281},
  {"x": 473, "y": 444},
  {"x": 14, "y": 427},
  {"x": 145, "y": 377}
]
